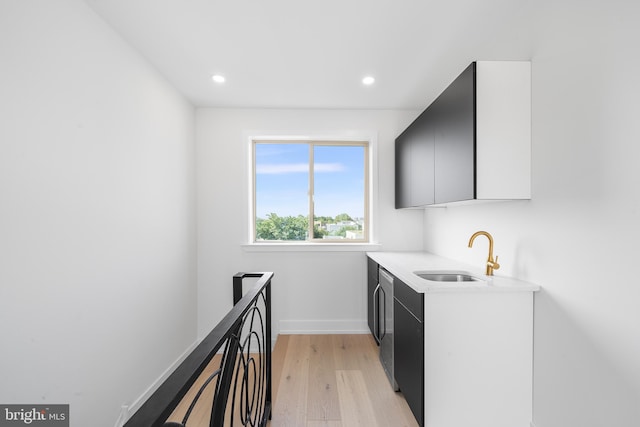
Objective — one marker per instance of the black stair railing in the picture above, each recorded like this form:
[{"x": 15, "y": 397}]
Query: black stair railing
[{"x": 240, "y": 384}]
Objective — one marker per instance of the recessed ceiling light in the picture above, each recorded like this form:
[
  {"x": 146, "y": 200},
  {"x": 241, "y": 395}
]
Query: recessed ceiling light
[
  {"x": 368, "y": 80},
  {"x": 218, "y": 78}
]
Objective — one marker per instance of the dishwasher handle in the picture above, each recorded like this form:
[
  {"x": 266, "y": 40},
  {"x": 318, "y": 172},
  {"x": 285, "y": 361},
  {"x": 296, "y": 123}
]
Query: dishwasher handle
[
  {"x": 385, "y": 283},
  {"x": 384, "y": 314},
  {"x": 376, "y": 324}
]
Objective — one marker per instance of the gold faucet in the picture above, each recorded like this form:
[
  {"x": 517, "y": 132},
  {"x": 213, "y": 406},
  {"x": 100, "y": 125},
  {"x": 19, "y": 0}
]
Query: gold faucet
[{"x": 491, "y": 263}]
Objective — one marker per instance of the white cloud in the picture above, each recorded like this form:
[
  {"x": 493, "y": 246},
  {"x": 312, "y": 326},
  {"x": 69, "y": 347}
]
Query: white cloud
[
  {"x": 278, "y": 169},
  {"x": 328, "y": 167},
  {"x": 285, "y": 168}
]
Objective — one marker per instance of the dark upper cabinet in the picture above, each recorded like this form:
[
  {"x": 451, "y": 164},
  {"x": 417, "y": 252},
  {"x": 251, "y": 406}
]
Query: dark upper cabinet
[
  {"x": 422, "y": 154},
  {"x": 455, "y": 140},
  {"x": 414, "y": 153},
  {"x": 403, "y": 170},
  {"x": 472, "y": 143}
]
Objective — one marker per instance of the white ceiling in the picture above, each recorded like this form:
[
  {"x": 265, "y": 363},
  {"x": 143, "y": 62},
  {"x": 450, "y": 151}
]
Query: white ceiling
[{"x": 314, "y": 54}]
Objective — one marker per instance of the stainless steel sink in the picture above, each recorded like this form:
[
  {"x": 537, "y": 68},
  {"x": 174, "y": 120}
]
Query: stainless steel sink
[{"x": 447, "y": 276}]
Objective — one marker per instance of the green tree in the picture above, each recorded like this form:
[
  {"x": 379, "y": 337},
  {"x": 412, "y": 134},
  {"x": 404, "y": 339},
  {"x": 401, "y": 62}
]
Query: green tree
[
  {"x": 319, "y": 233},
  {"x": 343, "y": 217},
  {"x": 323, "y": 219},
  {"x": 282, "y": 228}
]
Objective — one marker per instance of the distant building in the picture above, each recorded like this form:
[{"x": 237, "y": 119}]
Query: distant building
[
  {"x": 355, "y": 234},
  {"x": 336, "y": 227}
]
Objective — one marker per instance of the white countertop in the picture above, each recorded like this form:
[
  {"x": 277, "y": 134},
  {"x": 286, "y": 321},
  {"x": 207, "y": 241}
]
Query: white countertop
[{"x": 403, "y": 264}]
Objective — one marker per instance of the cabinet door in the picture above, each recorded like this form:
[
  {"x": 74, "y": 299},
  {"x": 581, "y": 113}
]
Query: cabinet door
[
  {"x": 422, "y": 161},
  {"x": 414, "y": 171},
  {"x": 403, "y": 170},
  {"x": 454, "y": 115},
  {"x": 409, "y": 347},
  {"x": 372, "y": 298}
]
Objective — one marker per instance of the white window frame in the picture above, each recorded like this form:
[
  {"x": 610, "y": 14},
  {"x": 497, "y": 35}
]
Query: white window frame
[{"x": 315, "y": 245}]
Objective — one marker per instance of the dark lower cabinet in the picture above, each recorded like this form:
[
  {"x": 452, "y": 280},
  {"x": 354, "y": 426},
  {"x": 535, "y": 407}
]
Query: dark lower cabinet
[
  {"x": 408, "y": 346},
  {"x": 373, "y": 304},
  {"x": 455, "y": 354},
  {"x": 408, "y": 338}
]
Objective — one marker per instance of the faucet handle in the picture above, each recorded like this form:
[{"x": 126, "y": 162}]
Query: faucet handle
[{"x": 496, "y": 266}]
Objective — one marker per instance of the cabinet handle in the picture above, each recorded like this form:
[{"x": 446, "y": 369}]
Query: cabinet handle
[
  {"x": 384, "y": 314},
  {"x": 376, "y": 327}
]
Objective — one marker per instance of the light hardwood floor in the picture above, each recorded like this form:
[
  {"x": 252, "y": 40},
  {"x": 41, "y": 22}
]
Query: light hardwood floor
[
  {"x": 333, "y": 381},
  {"x": 322, "y": 381}
]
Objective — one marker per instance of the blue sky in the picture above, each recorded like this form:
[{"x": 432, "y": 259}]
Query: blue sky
[{"x": 282, "y": 180}]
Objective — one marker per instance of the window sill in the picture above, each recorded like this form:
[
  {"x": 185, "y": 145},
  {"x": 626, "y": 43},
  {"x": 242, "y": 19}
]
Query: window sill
[{"x": 311, "y": 247}]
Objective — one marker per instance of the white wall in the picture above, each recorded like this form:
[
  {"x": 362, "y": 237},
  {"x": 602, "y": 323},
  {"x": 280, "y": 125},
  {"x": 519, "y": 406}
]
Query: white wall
[
  {"x": 97, "y": 219},
  {"x": 578, "y": 236},
  {"x": 97, "y": 214},
  {"x": 312, "y": 291}
]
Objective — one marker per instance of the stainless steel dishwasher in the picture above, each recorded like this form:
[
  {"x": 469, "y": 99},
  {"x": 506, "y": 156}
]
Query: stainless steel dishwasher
[{"x": 386, "y": 334}]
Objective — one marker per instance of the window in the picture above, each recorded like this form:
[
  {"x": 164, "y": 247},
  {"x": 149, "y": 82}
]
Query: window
[{"x": 313, "y": 191}]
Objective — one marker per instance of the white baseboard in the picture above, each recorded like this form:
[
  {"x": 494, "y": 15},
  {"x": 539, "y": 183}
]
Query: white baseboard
[
  {"x": 127, "y": 411},
  {"x": 124, "y": 415},
  {"x": 340, "y": 326}
]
